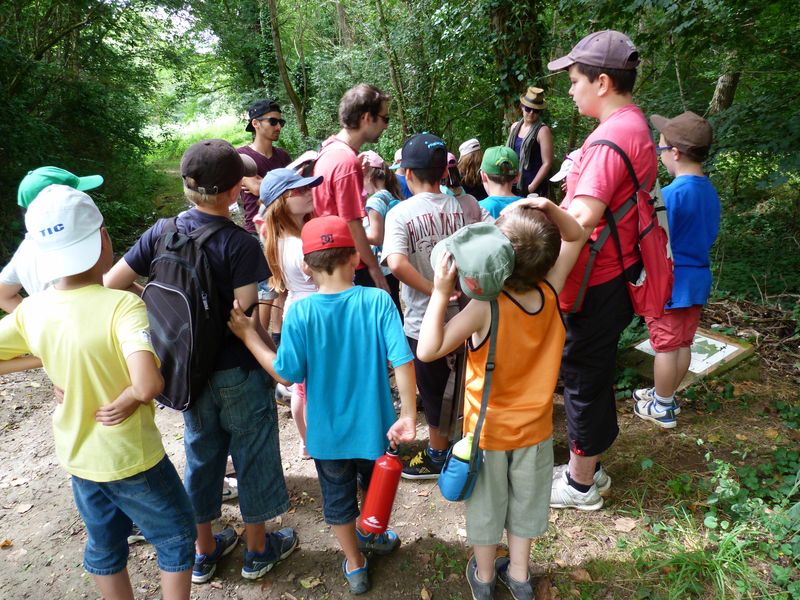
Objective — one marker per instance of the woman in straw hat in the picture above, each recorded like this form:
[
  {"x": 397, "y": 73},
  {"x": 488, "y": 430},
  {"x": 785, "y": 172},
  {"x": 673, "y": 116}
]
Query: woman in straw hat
[{"x": 532, "y": 140}]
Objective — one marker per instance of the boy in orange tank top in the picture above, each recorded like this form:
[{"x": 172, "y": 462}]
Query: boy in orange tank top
[{"x": 512, "y": 491}]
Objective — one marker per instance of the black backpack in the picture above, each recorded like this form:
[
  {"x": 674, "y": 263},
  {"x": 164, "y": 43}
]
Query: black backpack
[{"x": 187, "y": 323}]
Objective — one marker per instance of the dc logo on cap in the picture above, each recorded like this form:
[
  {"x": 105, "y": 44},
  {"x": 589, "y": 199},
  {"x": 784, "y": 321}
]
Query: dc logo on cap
[{"x": 326, "y": 238}]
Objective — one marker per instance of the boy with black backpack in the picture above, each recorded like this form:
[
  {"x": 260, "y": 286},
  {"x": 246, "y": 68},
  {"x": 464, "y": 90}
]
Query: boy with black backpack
[{"x": 230, "y": 413}]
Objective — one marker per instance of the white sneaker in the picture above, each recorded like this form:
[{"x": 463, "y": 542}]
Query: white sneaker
[
  {"x": 230, "y": 488},
  {"x": 563, "y": 495},
  {"x": 645, "y": 395},
  {"x": 601, "y": 479}
]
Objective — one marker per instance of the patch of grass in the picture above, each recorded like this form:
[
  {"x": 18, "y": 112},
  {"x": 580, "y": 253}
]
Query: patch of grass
[
  {"x": 682, "y": 559},
  {"x": 174, "y": 142}
]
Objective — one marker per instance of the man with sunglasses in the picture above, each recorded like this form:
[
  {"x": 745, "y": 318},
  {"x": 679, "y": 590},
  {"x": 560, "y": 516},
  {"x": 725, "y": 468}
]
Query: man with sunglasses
[{"x": 265, "y": 123}]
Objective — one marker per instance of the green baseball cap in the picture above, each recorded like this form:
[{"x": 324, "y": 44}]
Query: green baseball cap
[
  {"x": 500, "y": 160},
  {"x": 38, "y": 179},
  {"x": 484, "y": 259}
]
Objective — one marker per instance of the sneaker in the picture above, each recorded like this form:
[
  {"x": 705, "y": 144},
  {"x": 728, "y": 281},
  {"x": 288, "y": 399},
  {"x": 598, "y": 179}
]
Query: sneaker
[
  {"x": 601, "y": 479},
  {"x": 280, "y": 544},
  {"x": 382, "y": 544},
  {"x": 479, "y": 589},
  {"x": 563, "y": 495},
  {"x": 422, "y": 467},
  {"x": 649, "y": 394},
  {"x": 283, "y": 395},
  {"x": 652, "y": 410},
  {"x": 136, "y": 535},
  {"x": 520, "y": 590},
  {"x": 206, "y": 564},
  {"x": 230, "y": 489},
  {"x": 358, "y": 579}
]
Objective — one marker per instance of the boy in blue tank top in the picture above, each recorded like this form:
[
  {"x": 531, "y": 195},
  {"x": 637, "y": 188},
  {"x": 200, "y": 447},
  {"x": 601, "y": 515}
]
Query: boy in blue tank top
[
  {"x": 693, "y": 213},
  {"x": 338, "y": 341}
]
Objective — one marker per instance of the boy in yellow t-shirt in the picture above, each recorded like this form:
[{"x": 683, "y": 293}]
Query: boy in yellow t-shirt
[
  {"x": 95, "y": 345},
  {"x": 518, "y": 263}
]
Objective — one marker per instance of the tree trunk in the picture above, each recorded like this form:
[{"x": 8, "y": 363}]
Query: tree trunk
[
  {"x": 345, "y": 34},
  {"x": 724, "y": 92},
  {"x": 287, "y": 83},
  {"x": 394, "y": 71},
  {"x": 518, "y": 50}
]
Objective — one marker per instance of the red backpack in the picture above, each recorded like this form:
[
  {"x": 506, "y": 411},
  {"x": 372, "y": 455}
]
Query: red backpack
[{"x": 653, "y": 288}]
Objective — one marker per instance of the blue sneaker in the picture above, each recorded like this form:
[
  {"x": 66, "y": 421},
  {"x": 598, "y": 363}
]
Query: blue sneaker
[
  {"x": 385, "y": 543},
  {"x": 358, "y": 579},
  {"x": 280, "y": 544},
  {"x": 205, "y": 565}
]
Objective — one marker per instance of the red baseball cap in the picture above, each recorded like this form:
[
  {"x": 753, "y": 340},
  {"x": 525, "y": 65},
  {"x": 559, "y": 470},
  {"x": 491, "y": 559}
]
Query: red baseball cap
[{"x": 324, "y": 233}]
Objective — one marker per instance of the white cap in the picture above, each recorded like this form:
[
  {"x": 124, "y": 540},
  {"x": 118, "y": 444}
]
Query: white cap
[
  {"x": 64, "y": 225},
  {"x": 566, "y": 165},
  {"x": 398, "y": 155},
  {"x": 468, "y": 147}
]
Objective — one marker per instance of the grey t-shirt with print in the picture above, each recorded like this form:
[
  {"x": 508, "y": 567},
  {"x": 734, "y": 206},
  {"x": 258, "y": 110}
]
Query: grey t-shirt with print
[{"x": 413, "y": 228}]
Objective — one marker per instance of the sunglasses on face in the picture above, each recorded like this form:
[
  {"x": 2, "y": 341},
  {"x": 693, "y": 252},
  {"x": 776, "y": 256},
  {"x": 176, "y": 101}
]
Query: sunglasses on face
[
  {"x": 528, "y": 109},
  {"x": 385, "y": 118},
  {"x": 660, "y": 149},
  {"x": 273, "y": 121}
]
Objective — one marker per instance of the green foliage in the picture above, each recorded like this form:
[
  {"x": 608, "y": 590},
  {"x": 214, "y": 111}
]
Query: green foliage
[{"x": 75, "y": 83}]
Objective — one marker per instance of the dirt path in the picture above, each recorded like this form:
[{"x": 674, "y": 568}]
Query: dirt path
[{"x": 42, "y": 535}]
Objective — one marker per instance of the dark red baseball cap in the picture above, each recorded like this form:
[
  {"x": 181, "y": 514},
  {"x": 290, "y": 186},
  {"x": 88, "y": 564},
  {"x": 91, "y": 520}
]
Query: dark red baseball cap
[{"x": 324, "y": 233}]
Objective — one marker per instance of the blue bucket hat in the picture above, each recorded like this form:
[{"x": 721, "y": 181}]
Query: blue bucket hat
[{"x": 278, "y": 181}]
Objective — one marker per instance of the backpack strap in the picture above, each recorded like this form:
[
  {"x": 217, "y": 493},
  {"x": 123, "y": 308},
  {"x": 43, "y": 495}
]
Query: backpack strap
[
  {"x": 475, "y": 461},
  {"x": 200, "y": 235}
]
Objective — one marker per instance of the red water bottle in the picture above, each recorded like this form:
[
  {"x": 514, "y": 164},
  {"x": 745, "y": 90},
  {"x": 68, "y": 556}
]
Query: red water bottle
[{"x": 380, "y": 496}]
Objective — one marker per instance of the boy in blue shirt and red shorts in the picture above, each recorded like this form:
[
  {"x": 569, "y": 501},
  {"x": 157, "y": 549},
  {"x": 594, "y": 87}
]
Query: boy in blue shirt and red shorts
[{"x": 693, "y": 213}]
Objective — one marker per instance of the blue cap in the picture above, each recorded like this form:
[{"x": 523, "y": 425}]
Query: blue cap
[{"x": 277, "y": 181}]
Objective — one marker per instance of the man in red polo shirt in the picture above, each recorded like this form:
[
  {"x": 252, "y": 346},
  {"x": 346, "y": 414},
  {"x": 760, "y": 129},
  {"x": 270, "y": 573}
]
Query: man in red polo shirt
[{"x": 364, "y": 116}]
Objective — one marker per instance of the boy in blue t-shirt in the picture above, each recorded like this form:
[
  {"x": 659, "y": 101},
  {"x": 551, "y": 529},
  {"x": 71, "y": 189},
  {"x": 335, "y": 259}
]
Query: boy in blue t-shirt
[
  {"x": 693, "y": 214},
  {"x": 499, "y": 172},
  {"x": 338, "y": 341}
]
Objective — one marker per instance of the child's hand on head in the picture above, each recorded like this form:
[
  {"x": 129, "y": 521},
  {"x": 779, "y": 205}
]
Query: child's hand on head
[
  {"x": 542, "y": 204},
  {"x": 444, "y": 275},
  {"x": 240, "y": 324}
]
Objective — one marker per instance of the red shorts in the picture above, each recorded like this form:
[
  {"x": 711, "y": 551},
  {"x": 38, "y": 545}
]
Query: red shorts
[{"x": 674, "y": 329}]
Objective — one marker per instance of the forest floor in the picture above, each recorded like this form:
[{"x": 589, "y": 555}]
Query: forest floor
[{"x": 585, "y": 555}]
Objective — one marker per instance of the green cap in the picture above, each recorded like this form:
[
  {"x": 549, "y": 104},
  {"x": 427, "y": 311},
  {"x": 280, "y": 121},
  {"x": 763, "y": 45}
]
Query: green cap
[
  {"x": 38, "y": 179},
  {"x": 484, "y": 259},
  {"x": 500, "y": 160}
]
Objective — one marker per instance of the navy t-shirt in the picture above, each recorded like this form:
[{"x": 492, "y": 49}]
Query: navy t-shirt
[{"x": 236, "y": 260}]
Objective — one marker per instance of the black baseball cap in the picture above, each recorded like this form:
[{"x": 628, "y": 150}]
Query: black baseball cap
[
  {"x": 214, "y": 166},
  {"x": 258, "y": 108},
  {"x": 424, "y": 151}
]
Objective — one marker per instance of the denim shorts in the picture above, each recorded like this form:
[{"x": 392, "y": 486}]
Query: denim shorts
[
  {"x": 235, "y": 414},
  {"x": 339, "y": 481},
  {"x": 155, "y": 500}
]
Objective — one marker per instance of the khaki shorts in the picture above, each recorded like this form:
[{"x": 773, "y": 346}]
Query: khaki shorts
[{"x": 512, "y": 493}]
